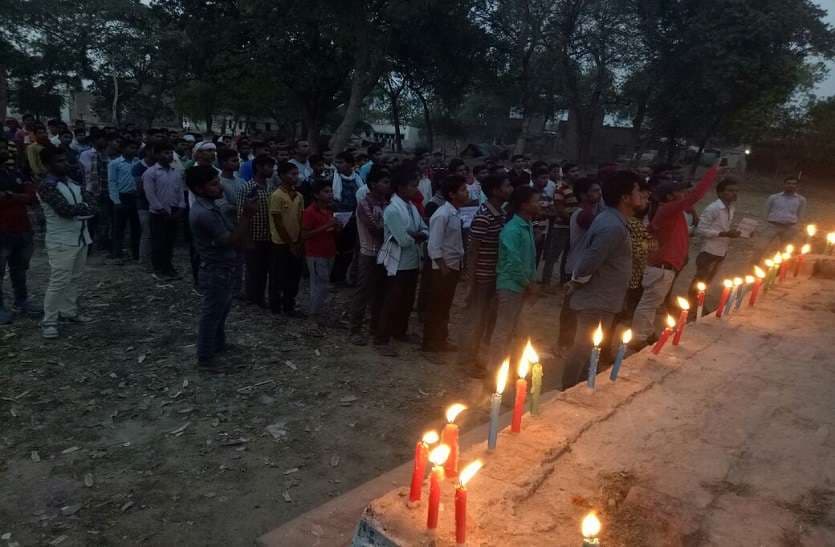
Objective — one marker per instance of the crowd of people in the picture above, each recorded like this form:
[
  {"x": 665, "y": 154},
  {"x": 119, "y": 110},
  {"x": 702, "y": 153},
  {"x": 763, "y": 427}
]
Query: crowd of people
[{"x": 404, "y": 233}]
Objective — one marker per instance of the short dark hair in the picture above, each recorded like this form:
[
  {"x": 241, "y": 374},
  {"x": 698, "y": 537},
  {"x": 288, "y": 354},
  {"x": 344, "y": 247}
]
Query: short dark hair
[
  {"x": 787, "y": 179},
  {"x": 50, "y": 152},
  {"x": 619, "y": 184},
  {"x": 198, "y": 175},
  {"x": 568, "y": 166},
  {"x": 373, "y": 149},
  {"x": 492, "y": 183},
  {"x": 376, "y": 174},
  {"x": 582, "y": 185},
  {"x": 319, "y": 185},
  {"x": 455, "y": 163},
  {"x": 452, "y": 184},
  {"x": 284, "y": 167},
  {"x": 261, "y": 161},
  {"x": 403, "y": 176},
  {"x": 480, "y": 167},
  {"x": 541, "y": 170},
  {"x": 347, "y": 157},
  {"x": 520, "y": 196},
  {"x": 517, "y": 157},
  {"x": 162, "y": 147},
  {"x": 539, "y": 163},
  {"x": 726, "y": 181},
  {"x": 226, "y": 154},
  {"x": 128, "y": 142}
]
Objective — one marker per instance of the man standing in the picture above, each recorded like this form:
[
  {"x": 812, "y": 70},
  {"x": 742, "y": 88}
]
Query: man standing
[
  {"x": 67, "y": 207},
  {"x": 784, "y": 211},
  {"x": 669, "y": 226},
  {"x": 123, "y": 194},
  {"x": 446, "y": 251},
  {"x": 600, "y": 276},
  {"x": 258, "y": 251},
  {"x": 301, "y": 155},
  {"x": 163, "y": 187},
  {"x": 33, "y": 152},
  {"x": 16, "y": 241},
  {"x": 218, "y": 241},
  {"x": 232, "y": 184},
  {"x": 286, "y": 207},
  {"x": 715, "y": 229},
  {"x": 370, "y": 275},
  {"x": 375, "y": 157},
  {"x": 148, "y": 160},
  {"x": 319, "y": 229},
  {"x": 483, "y": 257}
]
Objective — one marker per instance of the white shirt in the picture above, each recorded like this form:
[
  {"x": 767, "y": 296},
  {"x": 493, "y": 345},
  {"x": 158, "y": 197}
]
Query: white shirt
[
  {"x": 445, "y": 241},
  {"x": 305, "y": 170},
  {"x": 785, "y": 208},
  {"x": 425, "y": 188},
  {"x": 716, "y": 218},
  {"x": 86, "y": 159}
]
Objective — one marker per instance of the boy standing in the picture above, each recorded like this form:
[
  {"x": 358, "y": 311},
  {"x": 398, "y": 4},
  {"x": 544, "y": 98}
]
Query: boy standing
[
  {"x": 319, "y": 229},
  {"x": 258, "y": 253},
  {"x": 784, "y": 211},
  {"x": 163, "y": 187},
  {"x": 446, "y": 251},
  {"x": 286, "y": 206}
]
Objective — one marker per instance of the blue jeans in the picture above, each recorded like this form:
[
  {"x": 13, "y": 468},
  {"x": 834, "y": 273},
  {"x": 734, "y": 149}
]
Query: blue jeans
[
  {"x": 216, "y": 282},
  {"x": 320, "y": 274},
  {"x": 15, "y": 251}
]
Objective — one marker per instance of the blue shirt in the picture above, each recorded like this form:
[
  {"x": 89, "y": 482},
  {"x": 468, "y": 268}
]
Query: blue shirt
[
  {"x": 366, "y": 169},
  {"x": 245, "y": 171},
  {"x": 120, "y": 178}
]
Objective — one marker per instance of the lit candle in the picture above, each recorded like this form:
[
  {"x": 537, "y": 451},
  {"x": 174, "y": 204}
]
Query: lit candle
[
  {"x": 806, "y": 249},
  {"x": 830, "y": 242},
  {"x": 521, "y": 391},
  {"x": 811, "y": 230},
  {"x": 770, "y": 265},
  {"x": 594, "y": 359},
  {"x": 760, "y": 274},
  {"x": 700, "y": 299},
  {"x": 778, "y": 267},
  {"x": 784, "y": 267},
  {"x": 449, "y": 437},
  {"x": 659, "y": 345},
  {"x": 437, "y": 456},
  {"x": 684, "y": 304},
  {"x": 749, "y": 282},
  {"x": 461, "y": 502},
  {"x": 536, "y": 376},
  {"x": 421, "y": 456},
  {"x": 496, "y": 405},
  {"x": 723, "y": 299},
  {"x": 625, "y": 339},
  {"x": 590, "y": 528},
  {"x": 738, "y": 281}
]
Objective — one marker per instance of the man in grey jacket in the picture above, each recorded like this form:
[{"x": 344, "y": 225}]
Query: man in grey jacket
[{"x": 602, "y": 270}]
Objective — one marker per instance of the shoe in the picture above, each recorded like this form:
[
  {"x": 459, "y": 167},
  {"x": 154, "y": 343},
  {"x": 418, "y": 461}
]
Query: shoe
[
  {"x": 27, "y": 309},
  {"x": 6, "y": 316},
  {"x": 359, "y": 340},
  {"x": 50, "y": 332},
  {"x": 78, "y": 318},
  {"x": 386, "y": 350}
]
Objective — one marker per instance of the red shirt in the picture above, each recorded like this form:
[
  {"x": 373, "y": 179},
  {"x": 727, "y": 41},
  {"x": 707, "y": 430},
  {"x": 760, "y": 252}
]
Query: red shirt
[
  {"x": 14, "y": 217},
  {"x": 323, "y": 244},
  {"x": 670, "y": 227}
]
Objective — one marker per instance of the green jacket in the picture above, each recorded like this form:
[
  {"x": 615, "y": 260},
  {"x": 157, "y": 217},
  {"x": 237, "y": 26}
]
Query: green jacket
[{"x": 517, "y": 255}]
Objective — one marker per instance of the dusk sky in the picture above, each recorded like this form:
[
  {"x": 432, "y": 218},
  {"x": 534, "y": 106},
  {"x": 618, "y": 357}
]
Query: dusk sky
[{"x": 827, "y": 87}]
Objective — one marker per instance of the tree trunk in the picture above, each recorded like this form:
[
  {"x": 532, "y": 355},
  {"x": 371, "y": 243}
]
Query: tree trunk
[
  {"x": 114, "y": 113},
  {"x": 427, "y": 120},
  {"x": 367, "y": 72},
  {"x": 209, "y": 119},
  {"x": 395, "y": 120},
  {"x": 522, "y": 139},
  {"x": 4, "y": 93},
  {"x": 312, "y": 124}
]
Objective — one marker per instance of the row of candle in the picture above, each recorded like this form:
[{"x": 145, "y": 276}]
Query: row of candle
[{"x": 812, "y": 230}]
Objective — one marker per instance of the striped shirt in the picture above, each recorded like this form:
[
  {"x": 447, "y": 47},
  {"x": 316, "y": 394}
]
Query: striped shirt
[
  {"x": 259, "y": 226},
  {"x": 486, "y": 227}
]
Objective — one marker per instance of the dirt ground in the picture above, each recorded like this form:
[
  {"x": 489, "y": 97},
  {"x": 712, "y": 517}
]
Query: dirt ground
[{"x": 109, "y": 436}]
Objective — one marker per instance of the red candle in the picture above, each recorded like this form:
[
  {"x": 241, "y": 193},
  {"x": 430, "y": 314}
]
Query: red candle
[
  {"x": 437, "y": 456},
  {"x": 461, "y": 502},
  {"x": 755, "y": 291},
  {"x": 682, "y": 319},
  {"x": 799, "y": 260},
  {"x": 671, "y": 325},
  {"x": 723, "y": 299},
  {"x": 421, "y": 456},
  {"x": 449, "y": 437},
  {"x": 784, "y": 267},
  {"x": 521, "y": 391}
]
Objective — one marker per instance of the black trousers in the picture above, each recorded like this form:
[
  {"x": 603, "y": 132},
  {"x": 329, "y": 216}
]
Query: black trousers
[
  {"x": 285, "y": 275},
  {"x": 259, "y": 258},
  {"x": 371, "y": 279},
  {"x": 345, "y": 244},
  {"x": 125, "y": 214},
  {"x": 397, "y": 306},
  {"x": 163, "y": 236},
  {"x": 436, "y": 323}
]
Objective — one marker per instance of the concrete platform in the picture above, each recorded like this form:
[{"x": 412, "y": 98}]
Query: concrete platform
[{"x": 725, "y": 440}]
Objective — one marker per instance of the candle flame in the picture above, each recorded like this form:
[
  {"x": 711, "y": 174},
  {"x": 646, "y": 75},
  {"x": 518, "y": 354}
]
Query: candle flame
[
  {"x": 683, "y": 303},
  {"x": 469, "y": 472},
  {"x": 590, "y": 526},
  {"x": 749, "y": 279},
  {"x": 830, "y": 238},
  {"x": 597, "y": 337},
  {"x": 501, "y": 377},
  {"x": 439, "y": 454},
  {"x": 737, "y": 281},
  {"x": 728, "y": 283},
  {"x": 811, "y": 229},
  {"x": 806, "y": 249},
  {"x": 530, "y": 354},
  {"x": 787, "y": 256},
  {"x": 671, "y": 322},
  {"x": 769, "y": 263},
  {"x": 790, "y": 248},
  {"x": 453, "y": 411},
  {"x": 701, "y": 286},
  {"x": 430, "y": 437},
  {"x": 778, "y": 258},
  {"x": 759, "y": 272},
  {"x": 627, "y": 336},
  {"x": 522, "y": 369}
]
